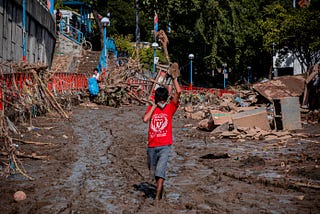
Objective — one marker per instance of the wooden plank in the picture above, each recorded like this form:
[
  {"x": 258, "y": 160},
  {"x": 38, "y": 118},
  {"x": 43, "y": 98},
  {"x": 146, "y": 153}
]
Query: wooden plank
[{"x": 163, "y": 67}]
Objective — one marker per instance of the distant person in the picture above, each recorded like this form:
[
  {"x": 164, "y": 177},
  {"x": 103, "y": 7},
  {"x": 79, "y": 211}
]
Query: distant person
[
  {"x": 159, "y": 115},
  {"x": 96, "y": 74},
  {"x": 93, "y": 83},
  {"x": 58, "y": 20}
]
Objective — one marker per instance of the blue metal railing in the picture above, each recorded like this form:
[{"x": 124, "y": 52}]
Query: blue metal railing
[
  {"x": 76, "y": 36},
  {"x": 71, "y": 33},
  {"x": 111, "y": 47}
]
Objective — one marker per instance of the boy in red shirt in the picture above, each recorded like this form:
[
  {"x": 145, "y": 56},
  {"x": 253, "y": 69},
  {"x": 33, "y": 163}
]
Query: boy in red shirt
[{"x": 159, "y": 115}]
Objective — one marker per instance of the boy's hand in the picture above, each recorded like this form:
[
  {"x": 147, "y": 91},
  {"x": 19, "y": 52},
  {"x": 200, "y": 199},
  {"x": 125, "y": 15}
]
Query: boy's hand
[{"x": 151, "y": 102}]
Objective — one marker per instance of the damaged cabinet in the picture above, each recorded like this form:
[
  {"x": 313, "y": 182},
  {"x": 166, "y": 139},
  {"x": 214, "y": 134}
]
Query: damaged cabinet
[{"x": 287, "y": 113}]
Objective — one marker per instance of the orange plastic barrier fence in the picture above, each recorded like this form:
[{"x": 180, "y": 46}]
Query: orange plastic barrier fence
[
  {"x": 12, "y": 84},
  {"x": 61, "y": 82}
]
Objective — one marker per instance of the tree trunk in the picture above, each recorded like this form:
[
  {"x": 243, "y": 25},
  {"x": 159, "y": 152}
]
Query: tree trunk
[{"x": 96, "y": 18}]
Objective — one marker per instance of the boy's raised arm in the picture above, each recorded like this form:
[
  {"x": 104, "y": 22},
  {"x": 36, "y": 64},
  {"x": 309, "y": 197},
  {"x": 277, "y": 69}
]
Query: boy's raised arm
[{"x": 177, "y": 92}]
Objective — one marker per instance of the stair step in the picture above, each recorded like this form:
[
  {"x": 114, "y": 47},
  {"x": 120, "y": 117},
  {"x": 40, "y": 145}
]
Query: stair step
[{"x": 88, "y": 61}]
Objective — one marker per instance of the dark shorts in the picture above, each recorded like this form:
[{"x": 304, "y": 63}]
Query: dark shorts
[{"x": 157, "y": 160}]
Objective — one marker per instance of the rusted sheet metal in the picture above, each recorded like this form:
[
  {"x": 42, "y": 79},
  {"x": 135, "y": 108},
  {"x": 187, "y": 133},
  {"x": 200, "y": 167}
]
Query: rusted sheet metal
[{"x": 285, "y": 86}]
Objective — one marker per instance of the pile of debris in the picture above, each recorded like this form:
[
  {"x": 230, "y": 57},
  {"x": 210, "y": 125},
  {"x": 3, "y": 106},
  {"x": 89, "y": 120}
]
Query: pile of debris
[
  {"x": 28, "y": 96},
  {"x": 123, "y": 85},
  {"x": 24, "y": 95},
  {"x": 270, "y": 110},
  {"x": 128, "y": 84}
]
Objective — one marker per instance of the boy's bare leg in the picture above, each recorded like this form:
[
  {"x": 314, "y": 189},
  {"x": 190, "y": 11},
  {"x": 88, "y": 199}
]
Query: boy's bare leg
[{"x": 160, "y": 182}]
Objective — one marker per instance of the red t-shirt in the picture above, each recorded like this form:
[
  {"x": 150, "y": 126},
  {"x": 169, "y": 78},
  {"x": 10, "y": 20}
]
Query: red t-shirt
[{"x": 160, "y": 125}]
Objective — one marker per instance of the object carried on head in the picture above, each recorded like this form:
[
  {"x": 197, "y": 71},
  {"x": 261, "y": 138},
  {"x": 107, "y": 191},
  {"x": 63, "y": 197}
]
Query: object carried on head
[
  {"x": 174, "y": 70},
  {"x": 164, "y": 78}
]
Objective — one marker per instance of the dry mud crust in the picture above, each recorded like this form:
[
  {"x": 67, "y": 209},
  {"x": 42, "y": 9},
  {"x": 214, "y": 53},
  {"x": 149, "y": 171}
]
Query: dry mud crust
[{"x": 97, "y": 164}]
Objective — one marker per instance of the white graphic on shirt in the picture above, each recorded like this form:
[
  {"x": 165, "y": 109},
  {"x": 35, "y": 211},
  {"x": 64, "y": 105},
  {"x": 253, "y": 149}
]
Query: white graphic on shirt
[{"x": 159, "y": 123}]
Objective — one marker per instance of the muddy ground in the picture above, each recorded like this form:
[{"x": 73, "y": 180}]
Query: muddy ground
[{"x": 97, "y": 164}]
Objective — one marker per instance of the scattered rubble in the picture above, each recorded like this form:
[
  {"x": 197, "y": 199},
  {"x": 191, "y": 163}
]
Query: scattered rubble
[{"x": 270, "y": 110}]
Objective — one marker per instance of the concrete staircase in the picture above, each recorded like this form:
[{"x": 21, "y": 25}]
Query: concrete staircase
[
  {"x": 70, "y": 57},
  {"x": 88, "y": 61},
  {"x": 66, "y": 55}
]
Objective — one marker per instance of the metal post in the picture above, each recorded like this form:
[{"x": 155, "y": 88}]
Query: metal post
[
  {"x": 105, "y": 42},
  {"x": 154, "y": 59},
  {"x": 105, "y": 21},
  {"x": 191, "y": 57},
  {"x": 24, "y": 23},
  {"x": 249, "y": 74},
  {"x": 155, "y": 46},
  {"x": 224, "y": 78},
  {"x": 224, "y": 75},
  {"x": 137, "y": 25},
  {"x": 191, "y": 74}
]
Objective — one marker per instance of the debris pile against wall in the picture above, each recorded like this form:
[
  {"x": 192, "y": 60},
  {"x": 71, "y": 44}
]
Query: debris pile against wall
[{"x": 25, "y": 94}]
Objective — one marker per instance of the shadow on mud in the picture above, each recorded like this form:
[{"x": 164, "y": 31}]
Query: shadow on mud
[{"x": 148, "y": 189}]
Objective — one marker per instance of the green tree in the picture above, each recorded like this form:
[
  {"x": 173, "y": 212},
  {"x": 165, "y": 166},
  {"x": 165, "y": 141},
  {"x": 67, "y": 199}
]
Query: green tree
[
  {"x": 293, "y": 30},
  {"x": 218, "y": 32},
  {"x": 240, "y": 33}
]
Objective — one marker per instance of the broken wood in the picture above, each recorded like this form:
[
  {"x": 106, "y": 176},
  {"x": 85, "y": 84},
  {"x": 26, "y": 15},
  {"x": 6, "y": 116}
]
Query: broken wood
[
  {"x": 22, "y": 155},
  {"x": 50, "y": 97},
  {"x": 31, "y": 142},
  {"x": 308, "y": 185}
]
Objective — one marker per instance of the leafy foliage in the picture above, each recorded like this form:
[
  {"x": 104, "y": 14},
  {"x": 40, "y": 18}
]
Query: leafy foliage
[
  {"x": 293, "y": 31},
  {"x": 240, "y": 33}
]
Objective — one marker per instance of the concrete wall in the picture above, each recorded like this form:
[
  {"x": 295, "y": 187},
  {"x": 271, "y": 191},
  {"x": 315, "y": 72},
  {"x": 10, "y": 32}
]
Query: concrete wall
[{"x": 40, "y": 32}]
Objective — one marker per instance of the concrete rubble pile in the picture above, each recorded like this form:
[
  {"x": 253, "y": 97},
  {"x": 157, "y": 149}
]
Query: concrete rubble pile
[{"x": 268, "y": 110}]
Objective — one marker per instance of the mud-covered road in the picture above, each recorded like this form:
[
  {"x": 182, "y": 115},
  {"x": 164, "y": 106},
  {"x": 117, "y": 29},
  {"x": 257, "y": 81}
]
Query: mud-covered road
[{"x": 97, "y": 164}]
